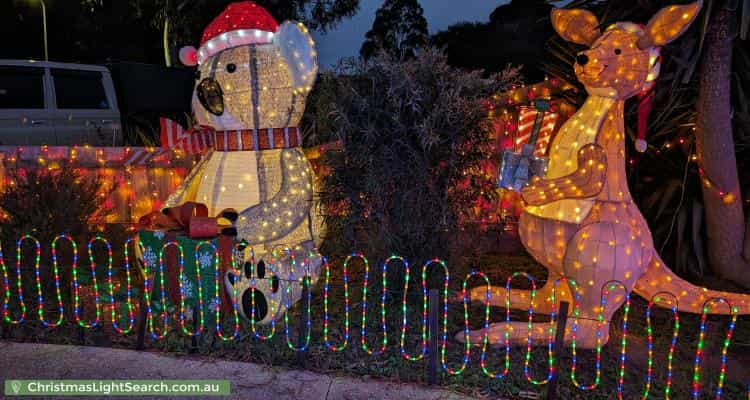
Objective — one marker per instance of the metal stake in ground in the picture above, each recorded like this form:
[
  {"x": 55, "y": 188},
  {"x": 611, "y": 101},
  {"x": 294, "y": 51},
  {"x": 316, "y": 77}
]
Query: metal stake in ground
[
  {"x": 302, "y": 326},
  {"x": 433, "y": 365},
  {"x": 141, "y": 332},
  {"x": 562, "y": 320}
]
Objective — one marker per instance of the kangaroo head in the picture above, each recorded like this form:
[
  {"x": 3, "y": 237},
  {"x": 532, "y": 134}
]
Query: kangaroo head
[{"x": 624, "y": 59}]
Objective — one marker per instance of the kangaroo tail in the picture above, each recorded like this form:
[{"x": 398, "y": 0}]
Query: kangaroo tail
[{"x": 660, "y": 280}]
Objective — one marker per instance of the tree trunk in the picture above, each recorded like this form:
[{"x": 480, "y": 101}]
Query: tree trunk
[{"x": 725, "y": 223}]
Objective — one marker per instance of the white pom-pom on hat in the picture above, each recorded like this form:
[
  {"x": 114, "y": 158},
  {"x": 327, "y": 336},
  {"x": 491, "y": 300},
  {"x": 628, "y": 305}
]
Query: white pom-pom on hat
[
  {"x": 189, "y": 56},
  {"x": 641, "y": 145},
  {"x": 298, "y": 48}
]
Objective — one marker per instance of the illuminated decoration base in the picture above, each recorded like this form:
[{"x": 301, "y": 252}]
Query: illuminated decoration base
[
  {"x": 253, "y": 77},
  {"x": 580, "y": 221}
]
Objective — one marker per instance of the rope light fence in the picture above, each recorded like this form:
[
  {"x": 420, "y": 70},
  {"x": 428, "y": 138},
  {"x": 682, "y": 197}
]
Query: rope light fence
[{"x": 155, "y": 318}]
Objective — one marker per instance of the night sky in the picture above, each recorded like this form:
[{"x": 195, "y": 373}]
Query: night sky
[{"x": 347, "y": 37}]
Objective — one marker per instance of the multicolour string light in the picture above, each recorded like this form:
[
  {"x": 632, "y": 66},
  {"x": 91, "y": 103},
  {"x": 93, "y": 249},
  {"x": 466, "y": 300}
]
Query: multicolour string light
[
  {"x": 217, "y": 301},
  {"x": 701, "y": 341},
  {"x": 6, "y": 292},
  {"x": 56, "y": 272},
  {"x": 550, "y": 339},
  {"x": 425, "y": 295},
  {"x": 326, "y": 292},
  {"x": 183, "y": 277},
  {"x": 19, "y": 288},
  {"x": 574, "y": 334},
  {"x": 506, "y": 360},
  {"x": 609, "y": 286},
  {"x": 128, "y": 292},
  {"x": 383, "y": 323},
  {"x": 97, "y": 300},
  {"x": 573, "y": 286},
  {"x": 402, "y": 346},
  {"x": 77, "y": 299},
  {"x": 670, "y": 355},
  {"x": 271, "y": 305},
  {"x": 305, "y": 283},
  {"x": 162, "y": 293},
  {"x": 529, "y": 331},
  {"x": 37, "y": 272},
  {"x": 485, "y": 326}
]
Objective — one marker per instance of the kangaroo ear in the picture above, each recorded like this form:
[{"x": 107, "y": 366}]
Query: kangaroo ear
[
  {"x": 576, "y": 25},
  {"x": 298, "y": 48},
  {"x": 668, "y": 24}
]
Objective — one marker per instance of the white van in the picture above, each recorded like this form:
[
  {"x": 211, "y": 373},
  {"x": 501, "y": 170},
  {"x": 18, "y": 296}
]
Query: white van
[{"x": 57, "y": 104}]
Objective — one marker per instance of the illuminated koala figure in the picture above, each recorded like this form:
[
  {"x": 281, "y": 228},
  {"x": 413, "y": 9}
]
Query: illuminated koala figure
[
  {"x": 580, "y": 221},
  {"x": 252, "y": 81}
]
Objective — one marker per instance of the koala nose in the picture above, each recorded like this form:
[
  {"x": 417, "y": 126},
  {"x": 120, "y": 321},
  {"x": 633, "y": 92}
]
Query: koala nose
[
  {"x": 582, "y": 59},
  {"x": 210, "y": 95}
]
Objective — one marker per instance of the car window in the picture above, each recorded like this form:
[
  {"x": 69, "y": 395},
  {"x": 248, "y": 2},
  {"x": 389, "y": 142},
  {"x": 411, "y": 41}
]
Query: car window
[
  {"x": 21, "y": 87},
  {"x": 79, "y": 89}
]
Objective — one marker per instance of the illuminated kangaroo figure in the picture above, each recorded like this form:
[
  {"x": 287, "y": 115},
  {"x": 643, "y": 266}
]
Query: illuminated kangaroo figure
[{"x": 580, "y": 221}]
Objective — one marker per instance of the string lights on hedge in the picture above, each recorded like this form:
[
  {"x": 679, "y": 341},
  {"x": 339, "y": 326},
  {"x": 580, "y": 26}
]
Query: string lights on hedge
[
  {"x": 383, "y": 323},
  {"x": 701, "y": 341},
  {"x": 326, "y": 293},
  {"x": 128, "y": 292},
  {"x": 672, "y": 345}
]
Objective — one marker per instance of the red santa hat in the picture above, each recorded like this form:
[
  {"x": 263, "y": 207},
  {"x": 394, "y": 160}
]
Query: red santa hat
[{"x": 239, "y": 24}]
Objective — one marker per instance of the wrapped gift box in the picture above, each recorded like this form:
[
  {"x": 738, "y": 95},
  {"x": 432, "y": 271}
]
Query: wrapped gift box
[{"x": 203, "y": 259}]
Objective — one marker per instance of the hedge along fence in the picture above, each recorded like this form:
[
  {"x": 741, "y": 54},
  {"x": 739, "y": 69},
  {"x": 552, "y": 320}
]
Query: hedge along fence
[
  {"x": 148, "y": 312},
  {"x": 135, "y": 180}
]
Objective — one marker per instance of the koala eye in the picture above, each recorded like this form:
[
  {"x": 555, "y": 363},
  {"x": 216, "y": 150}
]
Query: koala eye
[
  {"x": 231, "y": 68},
  {"x": 618, "y": 51}
]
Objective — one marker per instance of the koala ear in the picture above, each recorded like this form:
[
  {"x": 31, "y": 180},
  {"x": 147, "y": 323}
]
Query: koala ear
[
  {"x": 576, "y": 25},
  {"x": 668, "y": 24},
  {"x": 297, "y": 47}
]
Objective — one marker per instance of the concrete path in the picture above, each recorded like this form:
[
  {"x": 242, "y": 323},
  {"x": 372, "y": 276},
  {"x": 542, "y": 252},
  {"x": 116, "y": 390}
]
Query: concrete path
[{"x": 248, "y": 381}]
